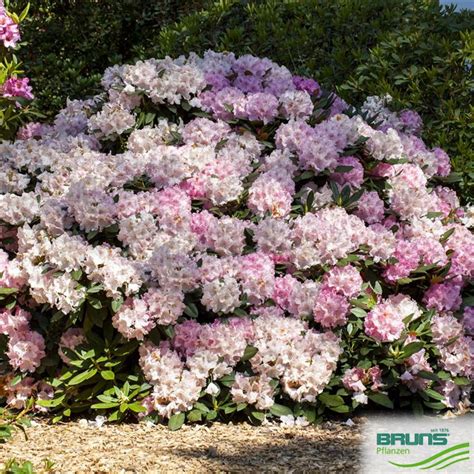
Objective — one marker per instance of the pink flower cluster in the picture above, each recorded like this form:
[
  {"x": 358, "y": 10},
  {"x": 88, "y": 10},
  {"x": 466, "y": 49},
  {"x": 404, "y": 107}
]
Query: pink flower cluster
[
  {"x": 17, "y": 87},
  {"x": 358, "y": 380},
  {"x": 9, "y": 30},
  {"x": 26, "y": 348}
]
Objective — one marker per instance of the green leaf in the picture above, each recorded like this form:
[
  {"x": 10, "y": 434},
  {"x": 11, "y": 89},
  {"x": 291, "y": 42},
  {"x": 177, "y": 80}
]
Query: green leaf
[
  {"x": 8, "y": 291},
  {"x": 433, "y": 394},
  {"x": 76, "y": 274},
  {"x": 280, "y": 410},
  {"x": 340, "y": 409},
  {"x": 381, "y": 399},
  {"x": 227, "y": 380},
  {"x": 435, "y": 405},
  {"x": 195, "y": 415},
  {"x": 200, "y": 406},
  {"x": 82, "y": 377},
  {"x": 331, "y": 400},
  {"x": 107, "y": 375},
  {"x": 461, "y": 380},
  {"x": 137, "y": 407},
  {"x": 428, "y": 375},
  {"x": 249, "y": 352},
  {"x": 176, "y": 421},
  {"x": 105, "y": 405},
  {"x": 447, "y": 235},
  {"x": 359, "y": 312},
  {"x": 191, "y": 310},
  {"x": 258, "y": 415},
  {"x": 51, "y": 403},
  {"x": 116, "y": 304},
  {"x": 411, "y": 349}
]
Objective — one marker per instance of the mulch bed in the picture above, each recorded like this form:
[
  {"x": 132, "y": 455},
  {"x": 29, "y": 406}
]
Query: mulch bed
[{"x": 77, "y": 448}]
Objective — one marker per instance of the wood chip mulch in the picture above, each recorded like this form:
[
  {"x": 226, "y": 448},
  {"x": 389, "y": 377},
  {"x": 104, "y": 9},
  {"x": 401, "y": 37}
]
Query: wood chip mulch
[{"x": 79, "y": 448}]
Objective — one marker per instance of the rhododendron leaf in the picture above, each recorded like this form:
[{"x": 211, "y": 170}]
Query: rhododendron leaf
[
  {"x": 411, "y": 349},
  {"x": 211, "y": 415},
  {"x": 194, "y": 415},
  {"x": 229, "y": 409},
  {"x": 435, "y": 405},
  {"x": 82, "y": 377},
  {"x": 280, "y": 410},
  {"x": 428, "y": 375},
  {"x": 200, "y": 406},
  {"x": 240, "y": 312},
  {"x": 106, "y": 398},
  {"x": 191, "y": 310},
  {"x": 103, "y": 406},
  {"x": 443, "y": 239},
  {"x": 454, "y": 177},
  {"x": 227, "y": 380},
  {"x": 76, "y": 274},
  {"x": 330, "y": 400},
  {"x": 11, "y": 305},
  {"x": 461, "y": 380},
  {"x": 116, "y": 304},
  {"x": 176, "y": 421},
  {"x": 343, "y": 169},
  {"x": 340, "y": 409},
  {"x": 8, "y": 291},
  {"x": 15, "y": 380},
  {"x": 381, "y": 399},
  {"x": 115, "y": 416},
  {"x": 443, "y": 375},
  {"x": 51, "y": 403},
  {"x": 107, "y": 375},
  {"x": 433, "y": 215},
  {"x": 304, "y": 176},
  {"x": 5, "y": 432},
  {"x": 258, "y": 415},
  {"x": 241, "y": 406},
  {"x": 358, "y": 312},
  {"x": 433, "y": 394},
  {"x": 249, "y": 352}
]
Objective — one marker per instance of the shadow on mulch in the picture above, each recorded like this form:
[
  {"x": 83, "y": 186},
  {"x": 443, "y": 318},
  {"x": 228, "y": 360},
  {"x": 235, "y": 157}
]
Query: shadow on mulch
[{"x": 285, "y": 452}]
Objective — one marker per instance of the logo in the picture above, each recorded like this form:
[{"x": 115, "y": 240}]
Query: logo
[
  {"x": 441, "y": 460},
  {"x": 430, "y": 444},
  {"x": 409, "y": 439}
]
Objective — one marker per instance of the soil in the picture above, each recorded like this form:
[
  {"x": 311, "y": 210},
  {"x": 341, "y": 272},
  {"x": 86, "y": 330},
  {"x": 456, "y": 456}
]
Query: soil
[{"x": 78, "y": 447}]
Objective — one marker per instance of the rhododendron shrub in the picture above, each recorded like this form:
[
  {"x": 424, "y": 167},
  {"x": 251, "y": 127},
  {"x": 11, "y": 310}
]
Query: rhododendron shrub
[{"x": 213, "y": 238}]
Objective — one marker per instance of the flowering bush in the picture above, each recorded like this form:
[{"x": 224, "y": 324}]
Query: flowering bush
[
  {"x": 15, "y": 91},
  {"x": 214, "y": 238}
]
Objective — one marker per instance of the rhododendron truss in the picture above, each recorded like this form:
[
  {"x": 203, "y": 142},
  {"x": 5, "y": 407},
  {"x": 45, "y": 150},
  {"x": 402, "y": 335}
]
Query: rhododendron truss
[{"x": 214, "y": 238}]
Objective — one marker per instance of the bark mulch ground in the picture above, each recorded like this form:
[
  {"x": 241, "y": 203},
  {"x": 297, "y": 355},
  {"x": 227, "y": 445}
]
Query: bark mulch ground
[{"x": 75, "y": 448}]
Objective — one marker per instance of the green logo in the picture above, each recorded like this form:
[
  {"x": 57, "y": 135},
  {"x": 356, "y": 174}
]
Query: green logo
[
  {"x": 442, "y": 459},
  {"x": 409, "y": 439}
]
